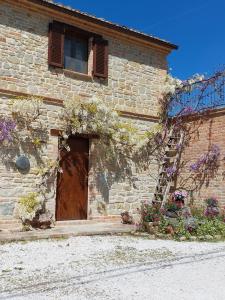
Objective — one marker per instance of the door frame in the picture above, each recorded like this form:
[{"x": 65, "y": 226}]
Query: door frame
[{"x": 87, "y": 137}]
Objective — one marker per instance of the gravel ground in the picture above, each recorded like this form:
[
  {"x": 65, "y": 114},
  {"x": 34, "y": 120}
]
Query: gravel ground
[{"x": 112, "y": 267}]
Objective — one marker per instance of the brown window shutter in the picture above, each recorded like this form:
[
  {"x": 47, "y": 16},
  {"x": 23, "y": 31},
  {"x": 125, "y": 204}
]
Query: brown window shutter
[
  {"x": 100, "y": 49},
  {"x": 56, "y": 44}
]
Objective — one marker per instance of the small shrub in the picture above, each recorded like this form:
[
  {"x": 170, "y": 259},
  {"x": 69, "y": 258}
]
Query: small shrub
[
  {"x": 212, "y": 202},
  {"x": 28, "y": 206},
  {"x": 184, "y": 222},
  {"x": 197, "y": 211},
  {"x": 150, "y": 212},
  {"x": 210, "y": 227},
  {"x": 179, "y": 228},
  {"x": 171, "y": 207},
  {"x": 212, "y": 209}
]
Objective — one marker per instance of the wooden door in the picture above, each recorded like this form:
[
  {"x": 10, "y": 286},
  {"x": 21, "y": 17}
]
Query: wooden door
[{"x": 72, "y": 184}]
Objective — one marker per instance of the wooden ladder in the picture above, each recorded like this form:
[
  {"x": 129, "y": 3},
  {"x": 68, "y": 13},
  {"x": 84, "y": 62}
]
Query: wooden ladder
[{"x": 166, "y": 182}]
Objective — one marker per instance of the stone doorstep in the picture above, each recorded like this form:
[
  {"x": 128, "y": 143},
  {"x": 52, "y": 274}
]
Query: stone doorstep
[
  {"x": 9, "y": 221},
  {"x": 12, "y": 224},
  {"x": 90, "y": 221},
  {"x": 67, "y": 231},
  {"x": 105, "y": 217},
  {"x": 97, "y": 218}
]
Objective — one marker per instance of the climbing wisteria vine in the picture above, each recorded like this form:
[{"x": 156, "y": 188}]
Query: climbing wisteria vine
[
  {"x": 7, "y": 127},
  {"x": 207, "y": 161},
  {"x": 185, "y": 106},
  {"x": 180, "y": 100}
]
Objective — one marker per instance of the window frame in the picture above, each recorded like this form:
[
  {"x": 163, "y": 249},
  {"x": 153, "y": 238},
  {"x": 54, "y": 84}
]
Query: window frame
[
  {"x": 70, "y": 36},
  {"x": 95, "y": 53}
]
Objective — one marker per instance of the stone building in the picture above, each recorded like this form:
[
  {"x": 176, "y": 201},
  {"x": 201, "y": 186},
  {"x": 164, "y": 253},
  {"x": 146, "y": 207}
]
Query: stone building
[{"x": 58, "y": 53}]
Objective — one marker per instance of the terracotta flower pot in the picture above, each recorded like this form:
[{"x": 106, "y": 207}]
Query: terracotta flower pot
[
  {"x": 156, "y": 218},
  {"x": 169, "y": 230},
  {"x": 179, "y": 203},
  {"x": 149, "y": 226}
]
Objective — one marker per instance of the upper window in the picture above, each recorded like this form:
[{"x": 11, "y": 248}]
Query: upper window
[
  {"x": 76, "y": 54},
  {"x": 69, "y": 49}
]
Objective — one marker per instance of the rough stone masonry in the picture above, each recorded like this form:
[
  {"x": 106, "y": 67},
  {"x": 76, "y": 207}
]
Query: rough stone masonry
[{"x": 136, "y": 74}]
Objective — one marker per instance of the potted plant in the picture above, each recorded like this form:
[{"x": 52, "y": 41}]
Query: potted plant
[
  {"x": 151, "y": 216},
  {"x": 212, "y": 209},
  {"x": 32, "y": 212},
  {"x": 179, "y": 197}
]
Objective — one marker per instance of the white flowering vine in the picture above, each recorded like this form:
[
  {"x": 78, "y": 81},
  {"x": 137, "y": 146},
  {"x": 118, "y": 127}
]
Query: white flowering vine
[
  {"x": 28, "y": 206},
  {"x": 95, "y": 117},
  {"x": 27, "y": 108}
]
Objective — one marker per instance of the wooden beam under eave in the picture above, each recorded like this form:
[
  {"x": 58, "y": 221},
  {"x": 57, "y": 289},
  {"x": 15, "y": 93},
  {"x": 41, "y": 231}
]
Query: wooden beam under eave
[{"x": 98, "y": 29}]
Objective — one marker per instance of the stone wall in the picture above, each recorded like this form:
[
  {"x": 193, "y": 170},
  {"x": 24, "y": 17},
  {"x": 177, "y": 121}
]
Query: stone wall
[
  {"x": 210, "y": 132},
  {"x": 110, "y": 190},
  {"x": 14, "y": 184},
  {"x": 135, "y": 73},
  {"x": 113, "y": 190},
  {"x": 135, "y": 77}
]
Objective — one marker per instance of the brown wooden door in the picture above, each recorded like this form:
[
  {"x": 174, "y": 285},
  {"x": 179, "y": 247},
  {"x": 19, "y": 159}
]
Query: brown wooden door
[{"x": 72, "y": 185}]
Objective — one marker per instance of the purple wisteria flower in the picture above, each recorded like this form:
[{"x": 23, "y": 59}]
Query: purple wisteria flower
[
  {"x": 214, "y": 152},
  {"x": 6, "y": 128},
  {"x": 196, "y": 166},
  {"x": 206, "y": 159},
  {"x": 178, "y": 146},
  {"x": 170, "y": 171}
]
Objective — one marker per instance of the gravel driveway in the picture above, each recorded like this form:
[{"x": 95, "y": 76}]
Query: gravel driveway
[{"x": 112, "y": 267}]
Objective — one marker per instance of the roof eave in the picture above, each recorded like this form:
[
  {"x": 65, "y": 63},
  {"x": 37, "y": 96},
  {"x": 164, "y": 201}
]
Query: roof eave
[{"x": 106, "y": 24}]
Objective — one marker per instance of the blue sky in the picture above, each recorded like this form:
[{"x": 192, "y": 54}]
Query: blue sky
[{"x": 197, "y": 26}]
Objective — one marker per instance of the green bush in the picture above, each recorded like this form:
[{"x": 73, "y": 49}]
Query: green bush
[
  {"x": 180, "y": 229},
  {"x": 29, "y": 202},
  {"x": 197, "y": 211},
  {"x": 149, "y": 212},
  {"x": 178, "y": 226},
  {"x": 204, "y": 227},
  {"x": 210, "y": 227},
  {"x": 28, "y": 206}
]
